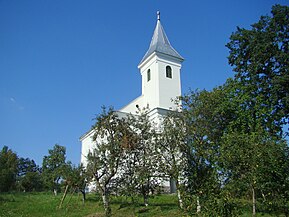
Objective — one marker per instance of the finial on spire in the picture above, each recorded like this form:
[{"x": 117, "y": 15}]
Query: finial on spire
[{"x": 159, "y": 15}]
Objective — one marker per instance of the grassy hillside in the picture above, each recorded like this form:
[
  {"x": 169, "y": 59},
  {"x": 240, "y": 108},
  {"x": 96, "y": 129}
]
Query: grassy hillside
[{"x": 45, "y": 204}]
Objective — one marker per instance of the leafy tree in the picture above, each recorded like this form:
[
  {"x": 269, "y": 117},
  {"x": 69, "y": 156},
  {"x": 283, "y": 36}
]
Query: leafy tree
[
  {"x": 241, "y": 154},
  {"x": 260, "y": 57},
  {"x": 201, "y": 170},
  {"x": 32, "y": 181},
  {"x": 257, "y": 166},
  {"x": 29, "y": 177},
  {"x": 8, "y": 169},
  {"x": 74, "y": 177},
  {"x": 106, "y": 159},
  {"x": 172, "y": 149},
  {"x": 26, "y": 165},
  {"x": 141, "y": 162},
  {"x": 274, "y": 178},
  {"x": 53, "y": 167},
  {"x": 246, "y": 141},
  {"x": 260, "y": 97}
]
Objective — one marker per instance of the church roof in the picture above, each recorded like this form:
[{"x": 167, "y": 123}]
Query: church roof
[{"x": 160, "y": 43}]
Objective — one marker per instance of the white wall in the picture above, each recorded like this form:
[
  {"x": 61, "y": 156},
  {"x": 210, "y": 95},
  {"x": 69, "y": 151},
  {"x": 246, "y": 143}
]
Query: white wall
[
  {"x": 160, "y": 90},
  {"x": 169, "y": 88},
  {"x": 87, "y": 144},
  {"x": 132, "y": 106}
]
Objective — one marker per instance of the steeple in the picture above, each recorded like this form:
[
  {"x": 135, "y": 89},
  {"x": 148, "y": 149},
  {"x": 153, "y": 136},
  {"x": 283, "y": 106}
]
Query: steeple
[{"x": 160, "y": 43}]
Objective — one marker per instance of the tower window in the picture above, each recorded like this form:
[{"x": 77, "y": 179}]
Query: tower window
[
  {"x": 148, "y": 75},
  {"x": 168, "y": 72}
]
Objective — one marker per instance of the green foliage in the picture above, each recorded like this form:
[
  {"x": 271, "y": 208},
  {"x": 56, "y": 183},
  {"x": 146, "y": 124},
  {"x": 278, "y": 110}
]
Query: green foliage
[
  {"x": 29, "y": 176},
  {"x": 107, "y": 156},
  {"x": 74, "y": 176},
  {"x": 8, "y": 169},
  {"x": 172, "y": 150},
  {"x": 202, "y": 146},
  {"x": 140, "y": 169},
  {"x": 214, "y": 205},
  {"x": 32, "y": 181},
  {"x": 123, "y": 160},
  {"x": 253, "y": 152},
  {"x": 172, "y": 145},
  {"x": 260, "y": 57},
  {"x": 53, "y": 167}
]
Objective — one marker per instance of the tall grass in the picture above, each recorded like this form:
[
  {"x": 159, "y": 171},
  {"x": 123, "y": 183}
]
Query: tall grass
[
  {"x": 46, "y": 204},
  {"x": 42, "y": 204}
]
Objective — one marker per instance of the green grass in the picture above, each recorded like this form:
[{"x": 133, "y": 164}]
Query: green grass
[
  {"x": 45, "y": 204},
  {"x": 42, "y": 204}
]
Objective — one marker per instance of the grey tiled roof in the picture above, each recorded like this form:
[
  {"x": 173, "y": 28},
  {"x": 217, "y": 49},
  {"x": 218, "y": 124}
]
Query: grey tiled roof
[{"x": 160, "y": 44}]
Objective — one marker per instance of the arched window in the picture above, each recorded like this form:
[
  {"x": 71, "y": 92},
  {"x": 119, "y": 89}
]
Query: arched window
[
  {"x": 168, "y": 72},
  {"x": 148, "y": 75}
]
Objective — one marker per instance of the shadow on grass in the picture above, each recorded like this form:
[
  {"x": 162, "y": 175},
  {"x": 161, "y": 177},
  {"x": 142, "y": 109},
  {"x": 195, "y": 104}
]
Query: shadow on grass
[
  {"x": 141, "y": 208},
  {"x": 7, "y": 199},
  {"x": 166, "y": 206},
  {"x": 127, "y": 206},
  {"x": 92, "y": 199}
]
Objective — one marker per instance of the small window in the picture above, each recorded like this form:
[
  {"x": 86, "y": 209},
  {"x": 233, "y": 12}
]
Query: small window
[
  {"x": 149, "y": 75},
  {"x": 169, "y": 72}
]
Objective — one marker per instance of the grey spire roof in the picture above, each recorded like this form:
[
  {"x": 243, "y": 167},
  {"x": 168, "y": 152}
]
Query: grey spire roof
[{"x": 160, "y": 43}]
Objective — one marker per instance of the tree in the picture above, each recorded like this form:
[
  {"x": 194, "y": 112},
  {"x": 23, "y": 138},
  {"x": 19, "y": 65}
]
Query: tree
[
  {"x": 8, "y": 169},
  {"x": 74, "y": 177},
  {"x": 172, "y": 149},
  {"x": 274, "y": 181},
  {"x": 246, "y": 140},
  {"x": 141, "y": 167},
  {"x": 106, "y": 158},
  {"x": 241, "y": 153},
  {"x": 260, "y": 96},
  {"x": 202, "y": 148},
  {"x": 53, "y": 167},
  {"x": 29, "y": 177},
  {"x": 258, "y": 166},
  {"x": 260, "y": 57}
]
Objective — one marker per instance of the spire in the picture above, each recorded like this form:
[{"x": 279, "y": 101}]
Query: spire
[{"x": 160, "y": 43}]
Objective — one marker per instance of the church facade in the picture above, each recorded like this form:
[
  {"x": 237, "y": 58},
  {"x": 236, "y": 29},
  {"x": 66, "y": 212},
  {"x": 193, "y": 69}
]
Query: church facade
[{"x": 160, "y": 70}]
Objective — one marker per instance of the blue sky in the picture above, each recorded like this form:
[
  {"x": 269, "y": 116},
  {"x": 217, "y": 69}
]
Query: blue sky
[{"x": 61, "y": 60}]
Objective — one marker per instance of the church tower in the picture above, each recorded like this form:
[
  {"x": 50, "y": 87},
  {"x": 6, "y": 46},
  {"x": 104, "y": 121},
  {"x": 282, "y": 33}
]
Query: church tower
[{"x": 160, "y": 71}]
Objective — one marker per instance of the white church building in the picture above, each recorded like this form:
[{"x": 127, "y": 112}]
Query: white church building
[{"x": 160, "y": 70}]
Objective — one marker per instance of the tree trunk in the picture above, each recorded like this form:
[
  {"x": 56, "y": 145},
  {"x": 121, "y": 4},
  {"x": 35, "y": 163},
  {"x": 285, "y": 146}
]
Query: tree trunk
[
  {"x": 145, "y": 195},
  {"x": 55, "y": 192},
  {"x": 63, "y": 197},
  {"x": 146, "y": 200},
  {"x": 106, "y": 204},
  {"x": 83, "y": 195},
  {"x": 253, "y": 202},
  {"x": 198, "y": 206},
  {"x": 179, "y": 194},
  {"x": 180, "y": 199}
]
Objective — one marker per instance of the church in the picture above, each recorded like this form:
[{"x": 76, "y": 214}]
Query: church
[{"x": 160, "y": 70}]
